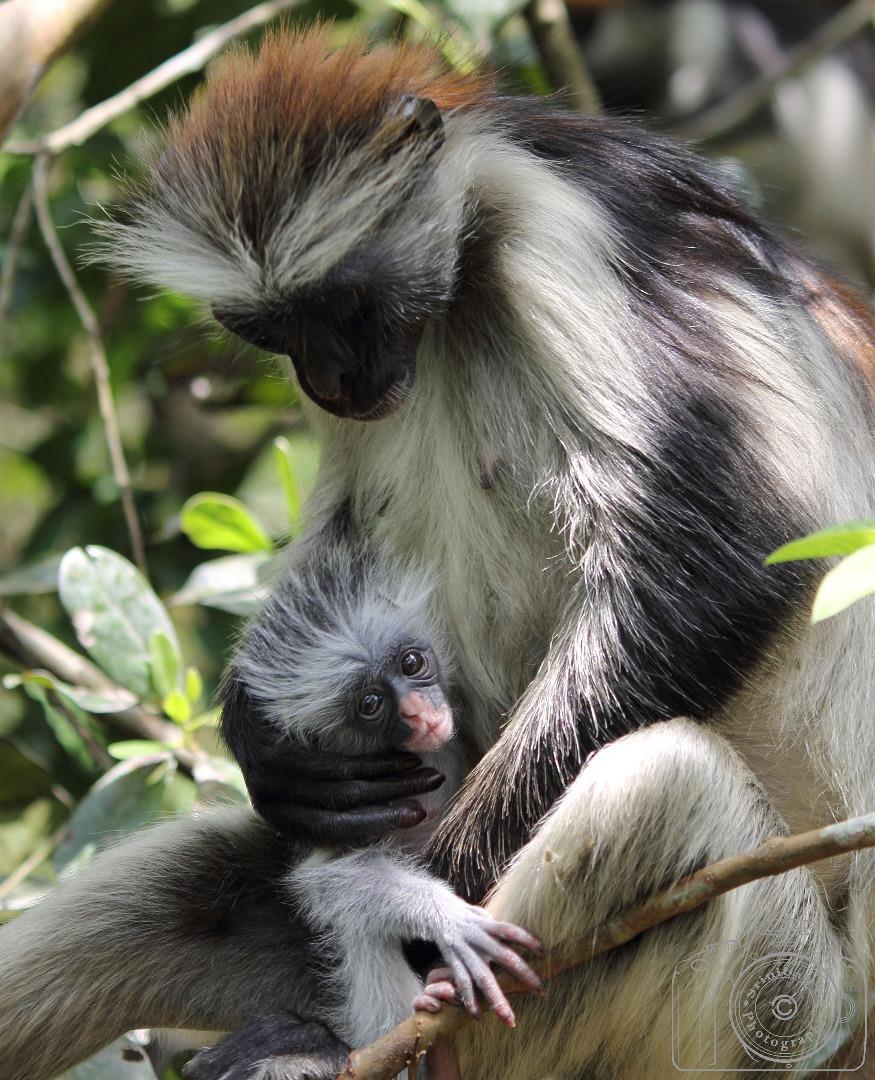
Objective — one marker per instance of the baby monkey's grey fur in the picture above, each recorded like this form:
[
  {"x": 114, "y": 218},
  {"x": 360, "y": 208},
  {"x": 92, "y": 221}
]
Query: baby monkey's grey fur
[{"x": 346, "y": 657}]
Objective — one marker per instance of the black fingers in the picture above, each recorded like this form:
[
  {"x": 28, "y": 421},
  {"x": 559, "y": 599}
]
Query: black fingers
[
  {"x": 321, "y": 765},
  {"x": 347, "y": 794},
  {"x": 364, "y": 825}
]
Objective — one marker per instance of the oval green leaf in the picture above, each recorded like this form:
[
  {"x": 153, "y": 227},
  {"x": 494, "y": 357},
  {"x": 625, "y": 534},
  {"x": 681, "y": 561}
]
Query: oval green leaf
[
  {"x": 114, "y": 700},
  {"x": 211, "y": 520},
  {"x": 177, "y": 706},
  {"x": 285, "y": 463},
  {"x": 836, "y": 540},
  {"x": 129, "y": 749},
  {"x": 194, "y": 684},
  {"x": 851, "y": 580},
  {"x": 115, "y": 612},
  {"x": 124, "y": 799},
  {"x": 232, "y": 583},
  {"x": 165, "y": 662}
]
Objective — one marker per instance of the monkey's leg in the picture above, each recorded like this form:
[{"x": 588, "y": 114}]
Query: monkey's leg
[
  {"x": 186, "y": 925},
  {"x": 276, "y": 1047},
  {"x": 643, "y": 812}
]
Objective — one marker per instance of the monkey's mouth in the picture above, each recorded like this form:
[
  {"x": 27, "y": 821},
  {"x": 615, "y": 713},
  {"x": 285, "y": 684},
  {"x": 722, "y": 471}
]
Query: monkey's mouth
[{"x": 391, "y": 399}]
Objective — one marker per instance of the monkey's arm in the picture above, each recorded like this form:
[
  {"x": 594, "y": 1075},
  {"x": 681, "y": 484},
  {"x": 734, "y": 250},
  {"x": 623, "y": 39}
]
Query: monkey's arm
[
  {"x": 320, "y": 796},
  {"x": 372, "y": 895},
  {"x": 670, "y": 604}
]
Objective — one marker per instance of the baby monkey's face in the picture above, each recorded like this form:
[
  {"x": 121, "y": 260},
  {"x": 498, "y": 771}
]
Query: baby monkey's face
[{"x": 406, "y": 706}]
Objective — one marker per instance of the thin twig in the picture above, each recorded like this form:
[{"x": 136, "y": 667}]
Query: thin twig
[
  {"x": 17, "y": 234},
  {"x": 97, "y": 356},
  {"x": 552, "y": 32},
  {"x": 36, "y": 857},
  {"x": 385, "y": 1058},
  {"x": 187, "y": 62},
  {"x": 33, "y": 647},
  {"x": 849, "y": 21}
]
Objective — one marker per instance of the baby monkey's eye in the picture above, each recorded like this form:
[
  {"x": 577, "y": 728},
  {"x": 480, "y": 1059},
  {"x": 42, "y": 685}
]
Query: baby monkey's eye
[
  {"x": 412, "y": 662},
  {"x": 370, "y": 704}
]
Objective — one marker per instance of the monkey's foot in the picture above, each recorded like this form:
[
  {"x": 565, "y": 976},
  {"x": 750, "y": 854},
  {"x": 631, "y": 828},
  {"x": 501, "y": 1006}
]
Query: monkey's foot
[{"x": 277, "y": 1047}]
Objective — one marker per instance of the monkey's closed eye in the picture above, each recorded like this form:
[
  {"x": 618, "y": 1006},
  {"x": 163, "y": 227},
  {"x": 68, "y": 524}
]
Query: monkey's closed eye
[
  {"x": 370, "y": 705},
  {"x": 412, "y": 663}
]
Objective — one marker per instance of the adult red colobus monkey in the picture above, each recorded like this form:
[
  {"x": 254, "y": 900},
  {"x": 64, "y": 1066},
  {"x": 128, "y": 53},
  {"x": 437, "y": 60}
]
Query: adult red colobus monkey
[{"x": 554, "y": 359}]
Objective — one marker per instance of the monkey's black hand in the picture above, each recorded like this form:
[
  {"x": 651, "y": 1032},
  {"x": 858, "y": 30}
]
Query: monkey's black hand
[
  {"x": 329, "y": 798},
  {"x": 318, "y": 796}
]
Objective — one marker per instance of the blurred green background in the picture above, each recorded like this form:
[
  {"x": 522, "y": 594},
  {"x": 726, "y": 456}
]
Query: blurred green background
[{"x": 781, "y": 94}]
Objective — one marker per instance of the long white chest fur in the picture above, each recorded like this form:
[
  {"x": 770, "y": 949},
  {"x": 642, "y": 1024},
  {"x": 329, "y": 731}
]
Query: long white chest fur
[{"x": 437, "y": 484}]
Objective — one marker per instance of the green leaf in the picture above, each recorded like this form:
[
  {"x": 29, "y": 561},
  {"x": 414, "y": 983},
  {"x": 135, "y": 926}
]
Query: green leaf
[
  {"x": 136, "y": 748},
  {"x": 177, "y": 706},
  {"x": 115, "y": 613},
  {"x": 63, "y": 728},
  {"x": 194, "y": 684},
  {"x": 285, "y": 463},
  {"x": 219, "y": 781},
  {"x": 836, "y": 540},
  {"x": 211, "y": 520},
  {"x": 165, "y": 662},
  {"x": 124, "y": 799},
  {"x": 32, "y": 580},
  {"x": 233, "y": 583},
  {"x": 115, "y": 700},
  {"x": 210, "y": 718},
  {"x": 851, "y": 580}
]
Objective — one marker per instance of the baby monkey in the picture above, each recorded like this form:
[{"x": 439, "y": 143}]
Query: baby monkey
[{"x": 347, "y": 657}]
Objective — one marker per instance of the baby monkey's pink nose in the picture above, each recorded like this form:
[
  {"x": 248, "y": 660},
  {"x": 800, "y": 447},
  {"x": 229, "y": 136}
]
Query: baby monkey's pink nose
[{"x": 431, "y": 725}]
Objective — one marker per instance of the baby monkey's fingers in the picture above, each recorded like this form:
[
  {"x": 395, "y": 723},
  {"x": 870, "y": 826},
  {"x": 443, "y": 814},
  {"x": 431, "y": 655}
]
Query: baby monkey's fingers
[
  {"x": 507, "y": 931},
  {"x": 433, "y": 997},
  {"x": 497, "y": 953},
  {"x": 484, "y": 979},
  {"x": 439, "y": 988}
]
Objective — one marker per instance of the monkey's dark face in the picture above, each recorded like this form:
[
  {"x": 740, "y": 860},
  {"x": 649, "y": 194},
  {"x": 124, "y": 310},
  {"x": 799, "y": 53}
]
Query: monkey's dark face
[
  {"x": 352, "y": 355},
  {"x": 406, "y": 707}
]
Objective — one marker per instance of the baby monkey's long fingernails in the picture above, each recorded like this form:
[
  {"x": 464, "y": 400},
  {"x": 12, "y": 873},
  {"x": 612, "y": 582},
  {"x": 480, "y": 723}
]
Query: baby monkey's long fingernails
[{"x": 506, "y": 1015}]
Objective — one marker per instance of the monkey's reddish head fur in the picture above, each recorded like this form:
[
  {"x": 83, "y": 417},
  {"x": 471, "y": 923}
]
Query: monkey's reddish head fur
[
  {"x": 264, "y": 122},
  {"x": 297, "y": 87}
]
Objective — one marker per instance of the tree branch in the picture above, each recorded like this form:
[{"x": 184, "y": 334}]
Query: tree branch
[
  {"x": 185, "y": 63},
  {"x": 97, "y": 356},
  {"x": 32, "y": 34},
  {"x": 17, "y": 233},
  {"x": 33, "y": 647},
  {"x": 384, "y": 1059},
  {"x": 551, "y": 31},
  {"x": 849, "y": 21}
]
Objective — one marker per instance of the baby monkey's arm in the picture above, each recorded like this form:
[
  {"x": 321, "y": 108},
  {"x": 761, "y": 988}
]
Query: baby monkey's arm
[{"x": 380, "y": 895}]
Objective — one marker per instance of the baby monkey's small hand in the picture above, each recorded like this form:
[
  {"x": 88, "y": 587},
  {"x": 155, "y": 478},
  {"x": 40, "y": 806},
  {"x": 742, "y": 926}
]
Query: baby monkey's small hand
[{"x": 475, "y": 942}]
